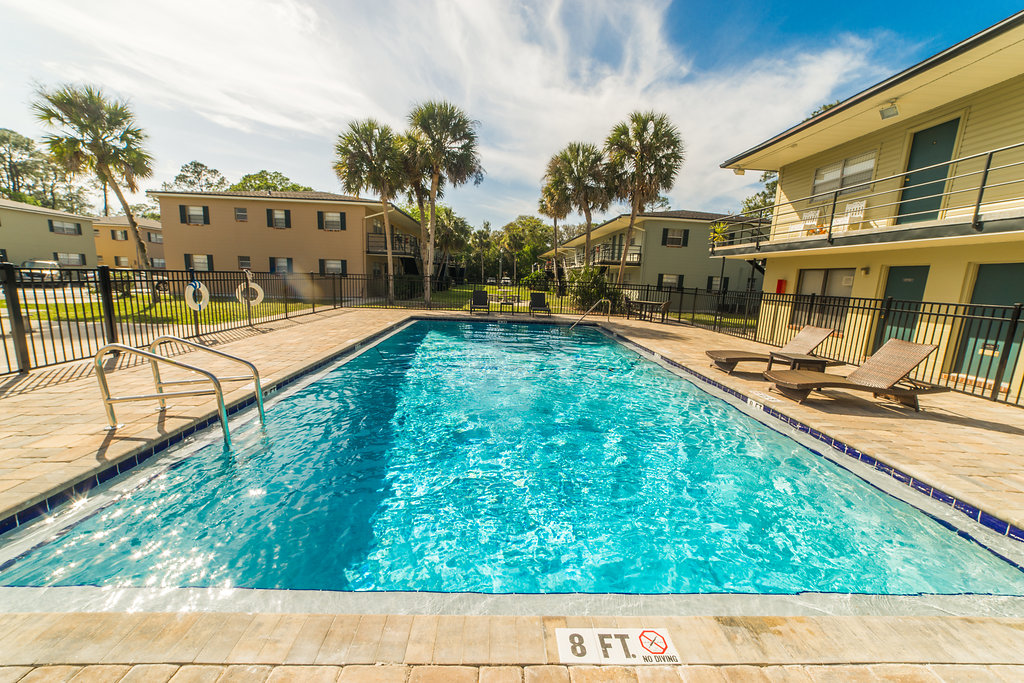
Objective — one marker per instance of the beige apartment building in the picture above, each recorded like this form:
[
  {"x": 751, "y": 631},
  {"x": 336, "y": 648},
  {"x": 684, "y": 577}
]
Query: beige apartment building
[
  {"x": 116, "y": 247},
  {"x": 29, "y": 232},
  {"x": 284, "y": 232}
]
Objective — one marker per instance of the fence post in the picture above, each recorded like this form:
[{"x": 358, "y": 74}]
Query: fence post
[
  {"x": 248, "y": 299},
  {"x": 19, "y": 335},
  {"x": 883, "y": 317},
  {"x": 334, "y": 289},
  {"x": 106, "y": 291},
  {"x": 312, "y": 290},
  {"x": 284, "y": 284},
  {"x": 693, "y": 312},
  {"x": 1011, "y": 332}
]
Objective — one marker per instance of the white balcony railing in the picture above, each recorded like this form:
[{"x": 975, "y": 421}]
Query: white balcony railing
[{"x": 965, "y": 190}]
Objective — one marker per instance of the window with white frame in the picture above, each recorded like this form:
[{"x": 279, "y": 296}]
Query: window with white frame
[
  {"x": 280, "y": 218},
  {"x": 846, "y": 176},
  {"x": 333, "y": 220},
  {"x": 121, "y": 261},
  {"x": 119, "y": 235},
  {"x": 200, "y": 262},
  {"x": 241, "y": 214},
  {"x": 675, "y": 237},
  {"x": 281, "y": 264},
  {"x": 333, "y": 267},
  {"x": 670, "y": 281},
  {"x": 66, "y": 228},
  {"x": 244, "y": 263},
  {"x": 66, "y": 259},
  {"x": 196, "y": 215},
  {"x": 160, "y": 263},
  {"x": 155, "y": 237}
]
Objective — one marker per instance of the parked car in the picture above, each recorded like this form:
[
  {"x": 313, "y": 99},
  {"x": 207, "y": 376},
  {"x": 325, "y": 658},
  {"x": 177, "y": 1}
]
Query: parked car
[
  {"x": 506, "y": 280},
  {"x": 125, "y": 281},
  {"x": 40, "y": 272},
  {"x": 491, "y": 281}
]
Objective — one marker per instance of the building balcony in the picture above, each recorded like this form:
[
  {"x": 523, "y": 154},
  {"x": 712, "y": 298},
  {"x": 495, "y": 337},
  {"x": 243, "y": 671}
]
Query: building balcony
[
  {"x": 971, "y": 195},
  {"x": 401, "y": 245},
  {"x": 607, "y": 255}
]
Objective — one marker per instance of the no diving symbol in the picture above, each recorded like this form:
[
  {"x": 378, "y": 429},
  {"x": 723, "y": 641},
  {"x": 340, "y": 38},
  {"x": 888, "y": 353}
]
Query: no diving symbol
[{"x": 653, "y": 642}]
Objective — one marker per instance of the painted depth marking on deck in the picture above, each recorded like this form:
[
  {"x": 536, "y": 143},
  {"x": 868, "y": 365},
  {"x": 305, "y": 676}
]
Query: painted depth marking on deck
[{"x": 632, "y": 646}]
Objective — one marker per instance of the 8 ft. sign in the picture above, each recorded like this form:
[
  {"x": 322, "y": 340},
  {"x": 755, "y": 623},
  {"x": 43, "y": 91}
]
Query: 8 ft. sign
[{"x": 615, "y": 646}]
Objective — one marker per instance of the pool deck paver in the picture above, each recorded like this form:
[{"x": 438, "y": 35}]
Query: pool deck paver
[{"x": 51, "y": 435}]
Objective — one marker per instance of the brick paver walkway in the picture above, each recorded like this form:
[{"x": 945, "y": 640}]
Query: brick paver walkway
[{"x": 455, "y": 648}]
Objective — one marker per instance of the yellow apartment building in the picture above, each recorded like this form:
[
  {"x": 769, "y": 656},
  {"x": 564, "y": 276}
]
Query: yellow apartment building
[
  {"x": 284, "y": 232},
  {"x": 29, "y": 233},
  {"x": 116, "y": 247},
  {"x": 911, "y": 189}
]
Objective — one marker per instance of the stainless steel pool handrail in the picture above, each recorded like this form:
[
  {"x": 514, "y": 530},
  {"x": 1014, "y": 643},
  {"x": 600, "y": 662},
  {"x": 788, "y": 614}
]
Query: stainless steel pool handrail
[
  {"x": 171, "y": 339},
  {"x": 608, "y": 312},
  {"x": 108, "y": 400}
]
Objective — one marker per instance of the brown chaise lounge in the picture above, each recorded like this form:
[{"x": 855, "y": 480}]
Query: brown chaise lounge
[
  {"x": 806, "y": 340},
  {"x": 883, "y": 374}
]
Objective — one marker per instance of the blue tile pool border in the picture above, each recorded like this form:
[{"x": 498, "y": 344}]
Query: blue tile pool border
[
  {"x": 992, "y": 522},
  {"x": 79, "y": 489}
]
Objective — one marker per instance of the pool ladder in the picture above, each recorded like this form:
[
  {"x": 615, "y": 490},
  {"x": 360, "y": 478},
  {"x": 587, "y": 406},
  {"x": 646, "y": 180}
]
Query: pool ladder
[
  {"x": 608, "y": 311},
  {"x": 155, "y": 359}
]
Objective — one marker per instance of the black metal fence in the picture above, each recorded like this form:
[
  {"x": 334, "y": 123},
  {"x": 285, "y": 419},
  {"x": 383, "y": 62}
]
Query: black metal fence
[{"x": 52, "y": 317}]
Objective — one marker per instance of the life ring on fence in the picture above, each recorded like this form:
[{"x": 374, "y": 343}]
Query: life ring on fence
[
  {"x": 243, "y": 289},
  {"x": 190, "y": 296}
]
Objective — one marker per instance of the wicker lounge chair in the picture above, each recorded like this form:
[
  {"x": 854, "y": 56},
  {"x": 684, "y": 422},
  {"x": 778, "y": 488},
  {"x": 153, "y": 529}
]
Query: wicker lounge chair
[
  {"x": 806, "y": 340},
  {"x": 539, "y": 302},
  {"x": 479, "y": 301},
  {"x": 883, "y": 374}
]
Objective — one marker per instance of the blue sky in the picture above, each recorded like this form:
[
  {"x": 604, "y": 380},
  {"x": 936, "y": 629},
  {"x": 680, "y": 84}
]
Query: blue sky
[{"x": 248, "y": 84}]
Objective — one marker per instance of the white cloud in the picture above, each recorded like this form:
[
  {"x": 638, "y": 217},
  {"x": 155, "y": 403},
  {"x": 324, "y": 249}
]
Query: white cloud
[{"x": 536, "y": 74}]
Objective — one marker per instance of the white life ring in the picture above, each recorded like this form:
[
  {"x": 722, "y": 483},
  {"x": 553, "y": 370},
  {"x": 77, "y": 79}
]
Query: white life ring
[
  {"x": 190, "y": 296},
  {"x": 242, "y": 288}
]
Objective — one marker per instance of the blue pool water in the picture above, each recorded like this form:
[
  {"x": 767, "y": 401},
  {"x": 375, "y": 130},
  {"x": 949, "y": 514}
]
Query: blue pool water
[{"x": 512, "y": 458}]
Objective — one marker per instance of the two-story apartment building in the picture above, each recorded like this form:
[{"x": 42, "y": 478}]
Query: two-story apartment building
[
  {"x": 116, "y": 247},
  {"x": 284, "y": 232},
  {"x": 30, "y": 232},
  {"x": 911, "y": 189},
  {"x": 668, "y": 250}
]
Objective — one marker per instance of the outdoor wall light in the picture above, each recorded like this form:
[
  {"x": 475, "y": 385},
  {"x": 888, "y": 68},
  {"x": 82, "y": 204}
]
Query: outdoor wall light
[
  {"x": 889, "y": 111},
  {"x": 739, "y": 170},
  {"x": 865, "y": 270}
]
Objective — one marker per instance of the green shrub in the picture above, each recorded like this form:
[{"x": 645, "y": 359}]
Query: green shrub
[
  {"x": 536, "y": 281},
  {"x": 588, "y": 286}
]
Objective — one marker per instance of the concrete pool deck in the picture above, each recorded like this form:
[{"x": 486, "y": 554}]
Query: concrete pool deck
[{"x": 52, "y": 437}]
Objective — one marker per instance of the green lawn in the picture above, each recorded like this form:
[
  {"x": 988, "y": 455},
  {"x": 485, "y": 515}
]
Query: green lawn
[{"x": 170, "y": 310}]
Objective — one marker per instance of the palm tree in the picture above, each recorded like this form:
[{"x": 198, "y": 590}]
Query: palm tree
[
  {"x": 481, "y": 243},
  {"x": 580, "y": 169},
  {"x": 449, "y": 146},
  {"x": 97, "y": 134},
  {"x": 453, "y": 234},
  {"x": 554, "y": 203},
  {"x": 644, "y": 156},
  {"x": 417, "y": 188},
  {"x": 369, "y": 157}
]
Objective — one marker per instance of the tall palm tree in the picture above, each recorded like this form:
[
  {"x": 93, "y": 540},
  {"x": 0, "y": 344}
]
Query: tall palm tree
[
  {"x": 449, "y": 145},
  {"x": 417, "y": 188},
  {"x": 481, "y": 242},
  {"x": 580, "y": 168},
  {"x": 369, "y": 157},
  {"x": 98, "y": 134},
  {"x": 554, "y": 203},
  {"x": 644, "y": 155}
]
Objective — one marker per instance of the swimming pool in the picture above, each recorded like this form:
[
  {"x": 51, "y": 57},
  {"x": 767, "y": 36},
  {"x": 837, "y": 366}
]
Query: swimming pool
[{"x": 512, "y": 458}]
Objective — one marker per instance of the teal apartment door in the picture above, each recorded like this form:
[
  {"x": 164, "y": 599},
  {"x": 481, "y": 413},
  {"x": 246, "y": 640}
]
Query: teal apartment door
[
  {"x": 922, "y": 190},
  {"x": 905, "y": 284},
  {"x": 983, "y": 341}
]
